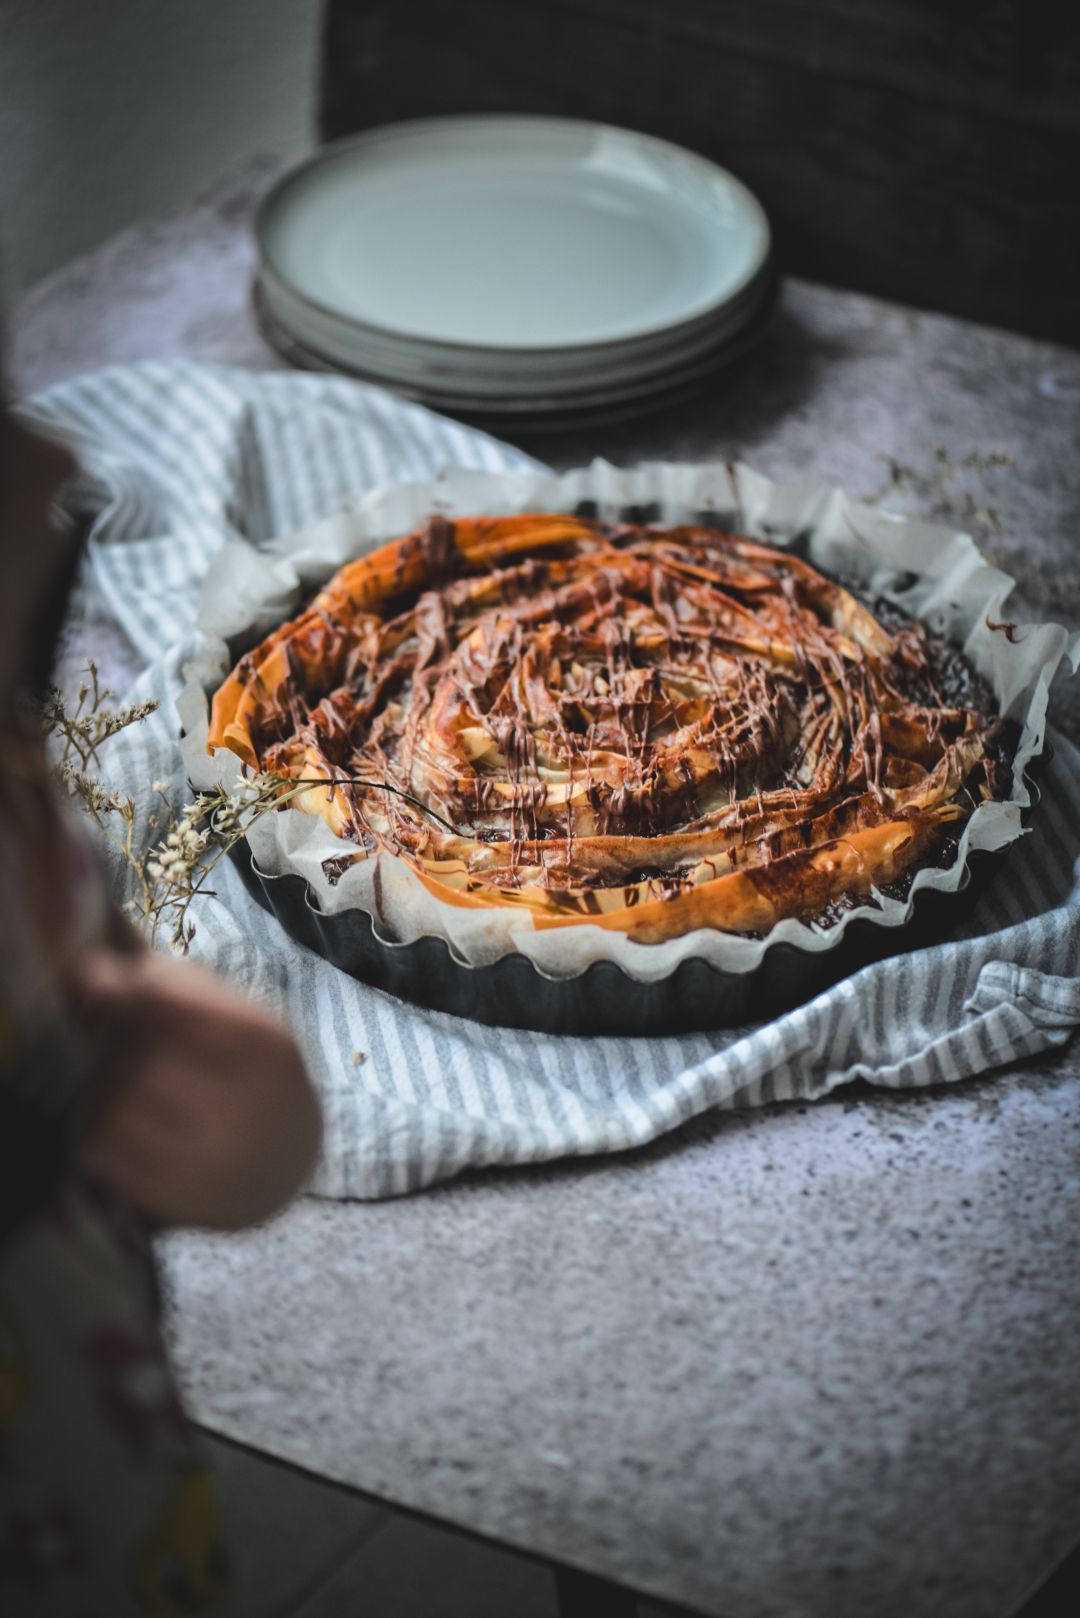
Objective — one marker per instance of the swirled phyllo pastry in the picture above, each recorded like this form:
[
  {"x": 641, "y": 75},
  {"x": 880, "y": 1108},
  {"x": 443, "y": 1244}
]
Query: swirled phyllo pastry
[{"x": 641, "y": 728}]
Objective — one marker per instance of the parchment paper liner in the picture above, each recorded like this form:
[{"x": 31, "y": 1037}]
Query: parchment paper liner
[{"x": 934, "y": 573}]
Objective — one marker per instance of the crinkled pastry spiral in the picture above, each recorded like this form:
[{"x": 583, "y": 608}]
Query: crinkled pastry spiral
[{"x": 648, "y": 729}]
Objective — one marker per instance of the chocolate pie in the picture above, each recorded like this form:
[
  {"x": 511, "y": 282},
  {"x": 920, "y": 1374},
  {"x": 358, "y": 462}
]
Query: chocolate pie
[{"x": 647, "y": 729}]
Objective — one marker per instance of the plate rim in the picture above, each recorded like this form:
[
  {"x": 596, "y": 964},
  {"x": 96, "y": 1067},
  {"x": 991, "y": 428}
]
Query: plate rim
[
  {"x": 687, "y": 355},
  {"x": 543, "y": 414},
  {"x": 405, "y": 127}
]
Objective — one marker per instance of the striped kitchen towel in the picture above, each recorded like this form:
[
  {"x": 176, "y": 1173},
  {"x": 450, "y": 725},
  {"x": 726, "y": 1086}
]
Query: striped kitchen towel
[{"x": 178, "y": 458}]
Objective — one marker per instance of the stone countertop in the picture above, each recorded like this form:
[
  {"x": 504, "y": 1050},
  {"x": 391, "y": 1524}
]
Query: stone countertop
[{"x": 806, "y": 1361}]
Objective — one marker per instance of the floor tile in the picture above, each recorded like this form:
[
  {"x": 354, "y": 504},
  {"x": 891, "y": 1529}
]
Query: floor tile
[
  {"x": 286, "y": 1532},
  {"x": 412, "y": 1570}
]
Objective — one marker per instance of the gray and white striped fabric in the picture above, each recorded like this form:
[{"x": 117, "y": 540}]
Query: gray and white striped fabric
[{"x": 179, "y": 457}]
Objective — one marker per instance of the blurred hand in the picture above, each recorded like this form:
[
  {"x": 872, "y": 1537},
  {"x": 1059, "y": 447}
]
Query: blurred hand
[{"x": 210, "y": 1118}]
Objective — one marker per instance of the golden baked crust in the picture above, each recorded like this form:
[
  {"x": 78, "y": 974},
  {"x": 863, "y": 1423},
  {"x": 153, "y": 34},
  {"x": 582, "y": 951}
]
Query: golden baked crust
[{"x": 648, "y": 729}]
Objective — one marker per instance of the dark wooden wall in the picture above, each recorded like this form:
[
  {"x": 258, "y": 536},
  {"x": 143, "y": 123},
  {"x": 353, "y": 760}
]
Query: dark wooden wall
[{"x": 925, "y": 150}]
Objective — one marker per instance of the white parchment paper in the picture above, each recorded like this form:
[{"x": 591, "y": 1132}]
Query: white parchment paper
[{"x": 934, "y": 573}]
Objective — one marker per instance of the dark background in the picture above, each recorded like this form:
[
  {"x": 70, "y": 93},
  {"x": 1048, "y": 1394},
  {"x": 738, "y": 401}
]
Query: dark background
[{"x": 924, "y": 150}]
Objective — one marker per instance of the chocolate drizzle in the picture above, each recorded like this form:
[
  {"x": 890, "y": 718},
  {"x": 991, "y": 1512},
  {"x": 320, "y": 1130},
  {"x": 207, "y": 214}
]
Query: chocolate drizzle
[{"x": 607, "y": 721}]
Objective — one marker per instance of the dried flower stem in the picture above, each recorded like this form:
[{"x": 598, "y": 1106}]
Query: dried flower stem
[
  {"x": 936, "y": 490},
  {"x": 177, "y": 867}
]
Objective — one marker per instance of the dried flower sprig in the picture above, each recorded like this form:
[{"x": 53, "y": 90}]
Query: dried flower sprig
[
  {"x": 955, "y": 490},
  {"x": 167, "y": 875},
  {"x": 176, "y": 867},
  {"x": 83, "y": 729},
  {"x": 942, "y": 498},
  {"x": 172, "y": 868}
]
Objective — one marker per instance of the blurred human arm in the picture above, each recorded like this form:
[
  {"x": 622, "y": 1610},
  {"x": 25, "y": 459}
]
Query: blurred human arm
[
  {"x": 186, "y": 1099},
  {"x": 207, "y": 1115}
]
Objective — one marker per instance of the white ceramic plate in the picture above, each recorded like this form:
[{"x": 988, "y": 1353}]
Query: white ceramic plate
[
  {"x": 348, "y": 339},
  {"x": 530, "y": 235},
  {"x": 518, "y": 412},
  {"x": 402, "y": 366}
]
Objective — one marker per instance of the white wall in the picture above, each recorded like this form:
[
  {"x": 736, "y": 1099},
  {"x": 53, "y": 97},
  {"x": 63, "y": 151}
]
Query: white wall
[{"x": 112, "y": 109}]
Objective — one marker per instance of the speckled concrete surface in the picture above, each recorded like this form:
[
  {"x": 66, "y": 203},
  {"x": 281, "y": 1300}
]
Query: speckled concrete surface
[
  {"x": 815, "y": 1362},
  {"x": 811, "y": 1361}
]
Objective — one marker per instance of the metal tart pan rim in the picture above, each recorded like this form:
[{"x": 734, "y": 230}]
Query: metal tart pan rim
[{"x": 603, "y": 999}]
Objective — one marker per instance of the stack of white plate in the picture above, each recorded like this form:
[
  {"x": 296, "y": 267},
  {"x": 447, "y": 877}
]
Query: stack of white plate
[{"x": 518, "y": 268}]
